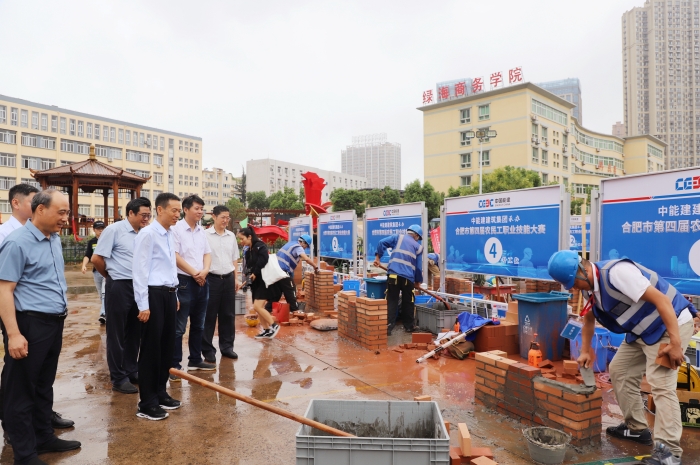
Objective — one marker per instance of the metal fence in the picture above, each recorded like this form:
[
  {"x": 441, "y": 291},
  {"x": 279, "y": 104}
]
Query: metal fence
[{"x": 73, "y": 253}]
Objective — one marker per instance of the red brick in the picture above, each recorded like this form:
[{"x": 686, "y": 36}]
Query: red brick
[
  {"x": 575, "y": 408},
  {"x": 496, "y": 371},
  {"x": 575, "y": 397},
  {"x": 419, "y": 338},
  {"x": 479, "y": 365},
  {"x": 548, "y": 389},
  {"x": 525, "y": 370},
  {"x": 597, "y": 403},
  {"x": 518, "y": 379},
  {"x": 582, "y": 416},
  {"x": 541, "y": 395},
  {"x": 486, "y": 390},
  {"x": 575, "y": 425},
  {"x": 455, "y": 456}
]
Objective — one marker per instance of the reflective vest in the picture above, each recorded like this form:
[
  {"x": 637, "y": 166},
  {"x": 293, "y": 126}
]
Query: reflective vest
[
  {"x": 435, "y": 258},
  {"x": 620, "y": 314},
  {"x": 286, "y": 256},
  {"x": 404, "y": 259}
]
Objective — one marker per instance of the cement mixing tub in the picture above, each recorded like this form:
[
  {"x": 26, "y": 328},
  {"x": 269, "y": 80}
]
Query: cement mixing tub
[
  {"x": 547, "y": 445},
  {"x": 388, "y": 433}
]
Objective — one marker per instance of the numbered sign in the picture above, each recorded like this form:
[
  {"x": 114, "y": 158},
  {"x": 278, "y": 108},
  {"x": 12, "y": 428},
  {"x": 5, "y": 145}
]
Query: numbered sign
[
  {"x": 300, "y": 226},
  {"x": 654, "y": 219},
  {"x": 387, "y": 221},
  {"x": 336, "y": 232},
  {"x": 509, "y": 233},
  {"x": 576, "y": 233}
]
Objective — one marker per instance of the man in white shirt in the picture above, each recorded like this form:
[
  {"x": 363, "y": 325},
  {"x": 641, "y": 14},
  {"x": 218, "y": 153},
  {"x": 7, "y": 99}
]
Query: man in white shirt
[
  {"x": 223, "y": 286},
  {"x": 193, "y": 256},
  {"x": 626, "y": 297}
]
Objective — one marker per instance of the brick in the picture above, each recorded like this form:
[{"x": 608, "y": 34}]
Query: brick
[
  {"x": 581, "y": 416},
  {"x": 545, "y": 364},
  {"x": 548, "y": 389},
  {"x": 549, "y": 407},
  {"x": 426, "y": 338},
  {"x": 505, "y": 363},
  {"x": 447, "y": 427},
  {"x": 495, "y": 370},
  {"x": 525, "y": 370},
  {"x": 540, "y": 395},
  {"x": 575, "y": 397},
  {"x": 481, "y": 452},
  {"x": 455, "y": 456},
  {"x": 485, "y": 390},
  {"x": 423, "y": 398},
  {"x": 500, "y": 353},
  {"x": 483, "y": 461},
  {"x": 479, "y": 365},
  {"x": 488, "y": 359},
  {"x": 575, "y": 425},
  {"x": 488, "y": 375},
  {"x": 465, "y": 439},
  {"x": 574, "y": 407}
]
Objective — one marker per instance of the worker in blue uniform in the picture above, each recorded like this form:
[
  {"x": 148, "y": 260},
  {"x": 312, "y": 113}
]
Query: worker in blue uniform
[
  {"x": 405, "y": 272},
  {"x": 288, "y": 258}
]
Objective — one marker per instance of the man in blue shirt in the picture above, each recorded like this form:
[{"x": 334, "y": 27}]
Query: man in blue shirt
[
  {"x": 155, "y": 286},
  {"x": 288, "y": 258},
  {"x": 33, "y": 307},
  {"x": 405, "y": 273},
  {"x": 113, "y": 258}
]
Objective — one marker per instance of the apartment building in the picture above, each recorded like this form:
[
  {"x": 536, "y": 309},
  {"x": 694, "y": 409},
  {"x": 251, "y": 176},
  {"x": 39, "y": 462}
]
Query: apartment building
[
  {"x": 271, "y": 176},
  {"x": 217, "y": 187},
  {"x": 375, "y": 159},
  {"x": 535, "y": 130},
  {"x": 38, "y": 136}
]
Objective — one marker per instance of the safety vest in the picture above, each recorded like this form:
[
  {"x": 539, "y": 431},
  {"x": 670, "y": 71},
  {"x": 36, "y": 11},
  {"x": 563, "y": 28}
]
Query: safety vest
[
  {"x": 435, "y": 258},
  {"x": 404, "y": 257},
  {"x": 285, "y": 256},
  {"x": 620, "y": 314}
]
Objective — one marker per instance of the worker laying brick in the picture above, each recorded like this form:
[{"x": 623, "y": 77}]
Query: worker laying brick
[
  {"x": 288, "y": 258},
  {"x": 622, "y": 298}
]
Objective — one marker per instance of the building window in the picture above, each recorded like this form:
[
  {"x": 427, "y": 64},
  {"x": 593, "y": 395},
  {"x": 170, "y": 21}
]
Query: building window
[
  {"x": 71, "y": 146},
  {"x": 7, "y": 183},
  {"x": 142, "y": 157},
  {"x": 72, "y": 127},
  {"x": 566, "y": 182},
  {"x": 105, "y": 133},
  {"x": 128, "y": 137},
  {"x": 5, "y": 206},
  {"x": 35, "y": 120},
  {"x": 36, "y": 163},
  {"x": 465, "y": 116},
  {"x": 545, "y": 160},
  {"x": 108, "y": 152},
  {"x": 81, "y": 126},
  {"x": 8, "y": 137},
  {"x": 112, "y": 135},
  {"x": 535, "y": 130},
  {"x": 121, "y": 136},
  {"x": 54, "y": 123},
  {"x": 548, "y": 112},
  {"x": 141, "y": 139},
  {"x": 84, "y": 210},
  {"x": 466, "y": 160},
  {"x": 44, "y": 122},
  {"x": 14, "y": 117},
  {"x": 544, "y": 134},
  {"x": 162, "y": 143},
  {"x": 3, "y": 114},
  {"x": 545, "y": 178},
  {"x": 465, "y": 181},
  {"x": 565, "y": 163},
  {"x": 484, "y": 112},
  {"x": 24, "y": 122},
  {"x": 148, "y": 141},
  {"x": 41, "y": 142},
  {"x": 89, "y": 130},
  {"x": 464, "y": 139},
  {"x": 486, "y": 158},
  {"x": 97, "y": 132},
  {"x": 63, "y": 125},
  {"x": 157, "y": 159},
  {"x": 196, "y": 148},
  {"x": 535, "y": 155},
  {"x": 8, "y": 159}
]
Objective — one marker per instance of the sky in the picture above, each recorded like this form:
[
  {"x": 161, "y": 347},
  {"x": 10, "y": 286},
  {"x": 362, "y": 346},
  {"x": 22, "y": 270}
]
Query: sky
[{"x": 296, "y": 80}]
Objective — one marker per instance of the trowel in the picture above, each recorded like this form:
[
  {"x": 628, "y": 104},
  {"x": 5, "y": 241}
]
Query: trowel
[{"x": 588, "y": 376}]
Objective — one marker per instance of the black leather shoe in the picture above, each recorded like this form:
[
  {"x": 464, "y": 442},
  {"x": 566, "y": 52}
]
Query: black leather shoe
[
  {"x": 58, "y": 422},
  {"x": 58, "y": 445},
  {"x": 209, "y": 358},
  {"x": 229, "y": 354},
  {"x": 36, "y": 461},
  {"x": 134, "y": 379},
  {"x": 125, "y": 388}
]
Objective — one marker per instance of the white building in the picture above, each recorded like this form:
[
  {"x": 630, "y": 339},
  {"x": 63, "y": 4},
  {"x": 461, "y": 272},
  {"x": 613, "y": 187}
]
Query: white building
[
  {"x": 217, "y": 187},
  {"x": 374, "y": 158},
  {"x": 271, "y": 176}
]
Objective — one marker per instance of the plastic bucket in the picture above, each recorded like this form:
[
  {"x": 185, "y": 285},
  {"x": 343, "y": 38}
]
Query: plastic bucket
[
  {"x": 352, "y": 285},
  {"x": 546, "y": 445},
  {"x": 423, "y": 299},
  {"x": 600, "y": 343},
  {"x": 376, "y": 288},
  {"x": 544, "y": 314}
]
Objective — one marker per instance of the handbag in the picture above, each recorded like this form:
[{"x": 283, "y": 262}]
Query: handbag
[{"x": 272, "y": 271}]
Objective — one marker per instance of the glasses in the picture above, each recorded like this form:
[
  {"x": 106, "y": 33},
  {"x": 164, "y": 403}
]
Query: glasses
[
  {"x": 227, "y": 218},
  {"x": 145, "y": 216}
]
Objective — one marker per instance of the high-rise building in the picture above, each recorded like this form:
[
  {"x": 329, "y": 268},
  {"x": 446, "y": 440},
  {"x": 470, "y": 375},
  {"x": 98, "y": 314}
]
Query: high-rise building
[
  {"x": 271, "y": 176},
  {"x": 217, "y": 187},
  {"x": 661, "y": 76},
  {"x": 618, "y": 130},
  {"x": 570, "y": 90},
  {"x": 38, "y": 136},
  {"x": 374, "y": 159}
]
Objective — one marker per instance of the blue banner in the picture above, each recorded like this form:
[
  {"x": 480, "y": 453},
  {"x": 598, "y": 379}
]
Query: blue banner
[
  {"x": 576, "y": 236},
  {"x": 662, "y": 233},
  {"x": 385, "y": 227},
  {"x": 335, "y": 239},
  {"x": 298, "y": 230},
  {"x": 506, "y": 242}
]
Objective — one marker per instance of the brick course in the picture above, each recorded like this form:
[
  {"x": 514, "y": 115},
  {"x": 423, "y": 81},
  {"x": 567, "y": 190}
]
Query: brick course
[{"x": 362, "y": 320}]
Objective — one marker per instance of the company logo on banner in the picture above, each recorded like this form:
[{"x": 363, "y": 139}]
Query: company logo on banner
[
  {"x": 335, "y": 233},
  {"x": 514, "y": 237},
  {"x": 654, "y": 220},
  {"x": 383, "y": 222}
]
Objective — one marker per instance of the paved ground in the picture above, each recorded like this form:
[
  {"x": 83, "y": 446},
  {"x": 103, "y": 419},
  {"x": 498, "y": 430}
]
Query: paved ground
[{"x": 300, "y": 365}]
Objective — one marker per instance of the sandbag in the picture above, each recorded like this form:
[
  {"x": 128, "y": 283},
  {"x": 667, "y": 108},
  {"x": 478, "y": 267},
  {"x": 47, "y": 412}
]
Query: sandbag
[{"x": 325, "y": 324}]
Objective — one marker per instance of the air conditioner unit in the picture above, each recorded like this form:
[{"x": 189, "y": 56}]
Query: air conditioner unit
[
  {"x": 109, "y": 160},
  {"x": 564, "y": 149},
  {"x": 546, "y": 143},
  {"x": 533, "y": 117},
  {"x": 534, "y": 139},
  {"x": 159, "y": 183},
  {"x": 597, "y": 149},
  {"x": 566, "y": 131},
  {"x": 159, "y": 166}
]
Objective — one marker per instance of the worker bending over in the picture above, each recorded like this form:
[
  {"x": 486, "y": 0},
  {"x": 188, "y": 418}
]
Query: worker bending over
[{"x": 288, "y": 258}]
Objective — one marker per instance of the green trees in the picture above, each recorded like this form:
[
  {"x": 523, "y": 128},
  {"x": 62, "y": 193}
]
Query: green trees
[
  {"x": 237, "y": 209},
  {"x": 285, "y": 200},
  {"x": 382, "y": 197},
  {"x": 414, "y": 192},
  {"x": 501, "y": 179},
  {"x": 347, "y": 199}
]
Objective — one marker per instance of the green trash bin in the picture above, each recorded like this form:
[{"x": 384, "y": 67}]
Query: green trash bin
[{"x": 543, "y": 314}]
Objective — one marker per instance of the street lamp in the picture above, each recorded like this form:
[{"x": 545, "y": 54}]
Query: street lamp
[{"x": 481, "y": 134}]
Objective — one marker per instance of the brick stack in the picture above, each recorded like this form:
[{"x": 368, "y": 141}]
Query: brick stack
[
  {"x": 532, "y": 285},
  {"x": 319, "y": 291},
  {"x": 518, "y": 390},
  {"x": 457, "y": 286},
  {"x": 498, "y": 337},
  {"x": 436, "y": 282},
  {"x": 362, "y": 320}
]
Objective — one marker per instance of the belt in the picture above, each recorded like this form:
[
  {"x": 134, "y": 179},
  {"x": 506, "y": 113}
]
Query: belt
[
  {"x": 45, "y": 316},
  {"x": 163, "y": 288},
  {"x": 221, "y": 276}
]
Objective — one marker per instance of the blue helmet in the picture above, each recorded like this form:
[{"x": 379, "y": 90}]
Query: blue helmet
[
  {"x": 416, "y": 229},
  {"x": 563, "y": 266},
  {"x": 306, "y": 238}
]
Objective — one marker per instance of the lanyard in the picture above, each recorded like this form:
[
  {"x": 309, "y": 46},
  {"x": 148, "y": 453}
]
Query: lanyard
[{"x": 591, "y": 296}]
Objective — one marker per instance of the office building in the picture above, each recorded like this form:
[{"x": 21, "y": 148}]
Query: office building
[
  {"x": 661, "y": 76},
  {"x": 271, "y": 176},
  {"x": 619, "y": 130},
  {"x": 37, "y": 136},
  {"x": 535, "y": 130},
  {"x": 217, "y": 187},
  {"x": 373, "y": 158},
  {"x": 570, "y": 90}
]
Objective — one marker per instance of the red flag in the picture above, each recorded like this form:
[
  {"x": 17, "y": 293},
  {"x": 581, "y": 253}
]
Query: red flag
[{"x": 435, "y": 238}]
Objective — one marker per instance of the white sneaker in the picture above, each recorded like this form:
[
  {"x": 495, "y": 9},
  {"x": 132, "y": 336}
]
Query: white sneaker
[{"x": 264, "y": 334}]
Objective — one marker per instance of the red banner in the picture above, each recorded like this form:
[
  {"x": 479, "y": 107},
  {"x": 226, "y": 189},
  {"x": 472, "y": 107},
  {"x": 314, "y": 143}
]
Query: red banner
[{"x": 435, "y": 238}]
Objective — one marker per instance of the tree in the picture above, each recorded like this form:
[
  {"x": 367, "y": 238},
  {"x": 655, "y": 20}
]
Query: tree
[
  {"x": 414, "y": 192},
  {"x": 258, "y": 202},
  {"x": 285, "y": 200},
  {"x": 577, "y": 202},
  {"x": 237, "y": 209},
  {"x": 382, "y": 197},
  {"x": 243, "y": 187},
  {"x": 501, "y": 179},
  {"x": 347, "y": 199},
  {"x": 302, "y": 195}
]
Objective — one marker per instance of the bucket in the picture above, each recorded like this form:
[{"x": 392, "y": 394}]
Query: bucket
[
  {"x": 423, "y": 299},
  {"x": 352, "y": 285},
  {"x": 601, "y": 341},
  {"x": 546, "y": 445}
]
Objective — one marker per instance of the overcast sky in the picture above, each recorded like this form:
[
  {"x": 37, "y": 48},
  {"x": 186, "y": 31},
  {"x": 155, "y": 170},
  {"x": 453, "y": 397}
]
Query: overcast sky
[{"x": 295, "y": 80}]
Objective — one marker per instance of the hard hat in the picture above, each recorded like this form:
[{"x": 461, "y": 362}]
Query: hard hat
[
  {"x": 562, "y": 267},
  {"x": 306, "y": 238},
  {"x": 416, "y": 229}
]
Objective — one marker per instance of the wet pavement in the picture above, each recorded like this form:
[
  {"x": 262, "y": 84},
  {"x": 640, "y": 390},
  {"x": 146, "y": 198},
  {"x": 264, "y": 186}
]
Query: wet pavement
[{"x": 299, "y": 365}]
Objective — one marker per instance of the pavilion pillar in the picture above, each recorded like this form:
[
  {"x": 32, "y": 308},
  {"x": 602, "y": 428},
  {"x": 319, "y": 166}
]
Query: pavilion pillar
[
  {"x": 133, "y": 194},
  {"x": 115, "y": 188},
  {"x": 105, "y": 194},
  {"x": 138, "y": 191},
  {"x": 74, "y": 203},
  {"x": 43, "y": 184}
]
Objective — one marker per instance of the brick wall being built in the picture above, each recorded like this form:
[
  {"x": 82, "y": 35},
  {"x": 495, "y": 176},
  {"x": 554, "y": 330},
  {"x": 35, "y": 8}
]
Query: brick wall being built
[
  {"x": 319, "y": 291},
  {"x": 362, "y": 320},
  {"x": 519, "y": 391}
]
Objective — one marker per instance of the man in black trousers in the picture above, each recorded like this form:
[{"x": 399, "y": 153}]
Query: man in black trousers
[
  {"x": 33, "y": 308},
  {"x": 113, "y": 259},
  {"x": 155, "y": 286}
]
